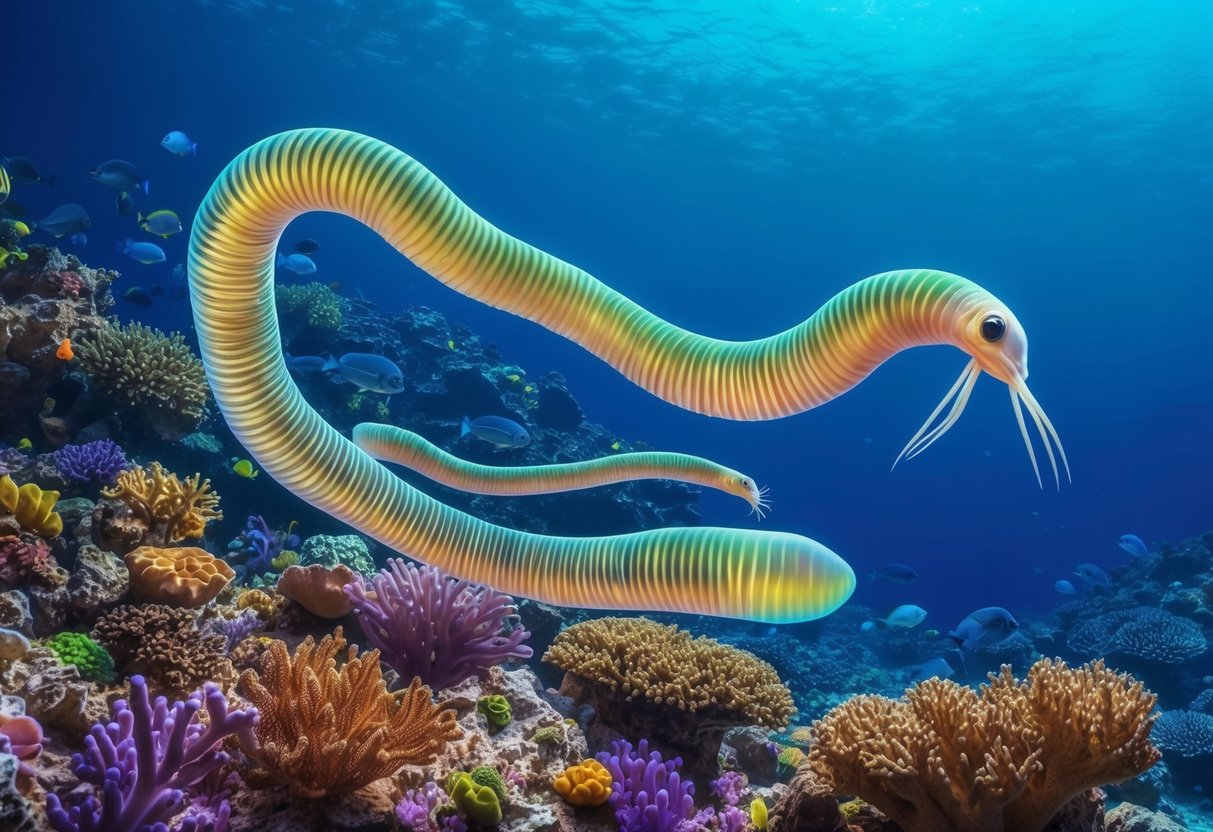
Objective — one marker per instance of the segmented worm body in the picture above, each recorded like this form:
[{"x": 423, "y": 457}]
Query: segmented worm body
[
  {"x": 764, "y": 576},
  {"x": 393, "y": 444}
]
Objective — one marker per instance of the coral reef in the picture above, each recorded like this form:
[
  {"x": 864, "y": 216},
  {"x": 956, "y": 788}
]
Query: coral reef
[
  {"x": 165, "y": 644},
  {"x": 48, "y": 297},
  {"x": 949, "y": 758},
  {"x": 141, "y": 762},
  {"x": 646, "y": 679},
  {"x": 151, "y": 378},
  {"x": 27, "y": 559},
  {"x": 257, "y": 548},
  {"x": 328, "y": 731},
  {"x": 319, "y": 589},
  {"x": 1140, "y": 632},
  {"x": 1187, "y": 733},
  {"x": 430, "y": 625},
  {"x": 30, "y": 509},
  {"x": 153, "y": 507},
  {"x": 182, "y": 577},
  {"x": 309, "y": 305},
  {"x": 338, "y": 549}
]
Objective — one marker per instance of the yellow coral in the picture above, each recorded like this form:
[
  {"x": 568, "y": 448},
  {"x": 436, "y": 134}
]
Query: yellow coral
[
  {"x": 257, "y": 601},
  {"x": 181, "y": 509},
  {"x": 801, "y": 735},
  {"x": 185, "y": 577},
  {"x": 946, "y": 758},
  {"x": 790, "y": 757},
  {"x": 642, "y": 659},
  {"x": 32, "y": 507},
  {"x": 586, "y": 784},
  {"x": 326, "y": 730},
  {"x": 284, "y": 559}
]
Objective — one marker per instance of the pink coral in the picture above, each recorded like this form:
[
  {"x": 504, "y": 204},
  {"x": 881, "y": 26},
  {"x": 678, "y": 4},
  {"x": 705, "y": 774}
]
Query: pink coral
[
  {"x": 70, "y": 284},
  {"x": 21, "y": 736},
  {"x": 25, "y": 557}
]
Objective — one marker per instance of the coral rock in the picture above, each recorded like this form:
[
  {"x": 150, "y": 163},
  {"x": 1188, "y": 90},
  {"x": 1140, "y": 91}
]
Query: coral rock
[
  {"x": 1129, "y": 818},
  {"x": 16, "y": 814},
  {"x": 332, "y": 550},
  {"x": 54, "y": 693},
  {"x": 171, "y": 509},
  {"x": 98, "y": 578},
  {"x": 318, "y": 589},
  {"x": 185, "y": 577},
  {"x": 15, "y": 613}
]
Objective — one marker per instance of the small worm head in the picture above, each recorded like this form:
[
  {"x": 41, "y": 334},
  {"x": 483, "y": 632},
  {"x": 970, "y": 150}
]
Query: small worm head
[
  {"x": 995, "y": 338},
  {"x": 744, "y": 487}
]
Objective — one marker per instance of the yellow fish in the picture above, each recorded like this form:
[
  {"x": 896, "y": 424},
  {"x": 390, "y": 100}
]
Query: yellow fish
[
  {"x": 931, "y": 633},
  {"x": 24, "y": 445},
  {"x": 616, "y": 445},
  {"x": 450, "y": 345},
  {"x": 5, "y": 254},
  {"x": 528, "y": 389},
  {"x": 6, "y": 185},
  {"x": 244, "y": 468},
  {"x": 513, "y": 378},
  {"x": 21, "y": 228}
]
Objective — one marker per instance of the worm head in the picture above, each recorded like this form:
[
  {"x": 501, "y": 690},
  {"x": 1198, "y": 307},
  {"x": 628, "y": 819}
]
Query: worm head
[
  {"x": 744, "y": 487},
  {"x": 991, "y": 334}
]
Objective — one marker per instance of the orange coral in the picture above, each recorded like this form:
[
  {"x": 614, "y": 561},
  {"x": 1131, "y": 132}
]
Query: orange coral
[
  {"x": 586, "y": 784},
  {"x": 317, "y": 588},
  {"x": 173, "y": 509},
  {"x": 325, "y": 730},
  {"x": 949, "y": 759},
  {"x": 185, "y": 577}
]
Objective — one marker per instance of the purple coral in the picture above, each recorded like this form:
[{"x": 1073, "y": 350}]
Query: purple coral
[
  {"x": 99, "y": 461},
  {"x": 259, "y": 546},
  {"x": 235, "y": 630},
  {"x": 415, "y": 811},
  {"x": 647, "y": 792},
  {"x": 429, "y": 624},
  {"x": 144, "y": 759}
]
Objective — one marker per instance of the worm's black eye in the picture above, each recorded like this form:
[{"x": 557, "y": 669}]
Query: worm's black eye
[{"x": 993, "y": 328}]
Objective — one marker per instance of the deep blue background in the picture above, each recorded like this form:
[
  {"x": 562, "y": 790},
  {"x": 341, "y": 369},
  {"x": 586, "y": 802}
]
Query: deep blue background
[{"x": 731, "y": 169}]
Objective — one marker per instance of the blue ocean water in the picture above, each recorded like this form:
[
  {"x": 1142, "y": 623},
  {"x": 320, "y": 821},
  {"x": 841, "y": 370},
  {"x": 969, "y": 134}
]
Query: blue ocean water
[{"x": 731, "y": 166}]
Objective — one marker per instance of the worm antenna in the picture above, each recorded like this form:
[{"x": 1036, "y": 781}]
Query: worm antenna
[{"x": 923, "y": 439}]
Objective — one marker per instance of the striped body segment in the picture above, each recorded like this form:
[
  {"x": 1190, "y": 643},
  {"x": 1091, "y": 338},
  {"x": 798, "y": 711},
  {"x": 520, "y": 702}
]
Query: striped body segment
[
  {"x": 761, "y": 576},
  {"x": 393, "y": 444}
]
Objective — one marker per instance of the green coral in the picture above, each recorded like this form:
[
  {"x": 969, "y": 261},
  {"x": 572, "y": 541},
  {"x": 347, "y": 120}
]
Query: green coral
[
  {"x": 92, "y": 660},
  {"x": 144, "y": 370},
  {"x": 479, "y": 802},
  {"x": 490, "y": 777},
  {"x": 551, "y": 735},
  {"x": 496, "y": 710},
  {"x": 315, "y": 303}
]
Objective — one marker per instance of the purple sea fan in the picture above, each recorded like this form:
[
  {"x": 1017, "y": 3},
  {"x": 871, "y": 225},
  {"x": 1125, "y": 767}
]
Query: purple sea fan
[
  {"x": 145, "y": 757},
  {"x": 429, "y": 624},
  {"x": 647, "y": 792},
  {"x": 99, "y": 461}
]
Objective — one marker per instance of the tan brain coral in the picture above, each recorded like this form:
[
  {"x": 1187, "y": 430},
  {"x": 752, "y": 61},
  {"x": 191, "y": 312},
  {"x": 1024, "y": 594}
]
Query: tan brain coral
[
  {"x": 947, "y": 758},
  {"x": 184, "y": 577},
  {"x": 317, "y": 588}
]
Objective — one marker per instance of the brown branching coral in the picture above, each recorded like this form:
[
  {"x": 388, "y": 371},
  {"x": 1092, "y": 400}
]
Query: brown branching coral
[
  {"x": 682, "y": 692},
  {"x": 947, "y": 758},
  {"x": 150, "y": 375},
  {"x": 165, "y": 644},
  {"x": 327, "y": 730},
  {"x": 170, "y": 509}
]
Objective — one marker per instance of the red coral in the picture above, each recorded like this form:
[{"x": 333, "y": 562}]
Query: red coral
[
  {"x": 70, "y": 284},
  {"x": 27, "y": 558}
]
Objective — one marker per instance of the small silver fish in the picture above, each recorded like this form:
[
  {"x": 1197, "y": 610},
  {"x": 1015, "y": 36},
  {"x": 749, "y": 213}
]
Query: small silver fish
[
  {"x": 297, "y": 263},
  {"x": 120, "y": 174},
  {"x": 907, "y": 616},
  {"x": 1092, "y": 574},
  {"x": 371, "y": 373}
]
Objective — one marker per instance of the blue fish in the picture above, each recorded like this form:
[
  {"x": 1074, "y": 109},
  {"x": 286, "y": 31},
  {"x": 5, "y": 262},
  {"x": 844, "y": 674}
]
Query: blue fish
[
  {"x": 906, "y": 616},
  {"x": 179, "y": 144},
  {"x": 66, "y": 220},
  {"x": 1134, "y": 545},
  {"x": 937, "y": 666},
  {"x": 898, "y": 573},
  {"x": 1092, "y": 574},
  {"x": 372, "y": 373},
  {"x": 121, "y": 175},
  {"x": 984, "y": 628},
  {"x": 145, "y": 253},
  {"x": 297, "y": 263},
  {"x": 1064, "y": 587},
  {"x": 496, "y": 430},
  {"x": 867, "y": 626}
]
